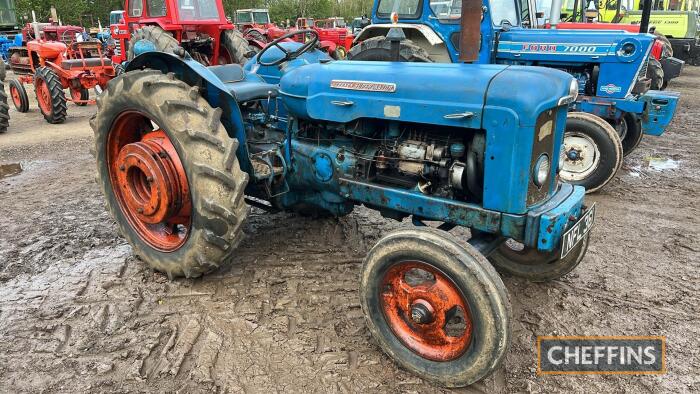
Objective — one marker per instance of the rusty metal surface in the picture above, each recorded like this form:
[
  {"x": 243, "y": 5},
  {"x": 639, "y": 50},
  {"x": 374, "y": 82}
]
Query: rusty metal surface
[{"x": 470, "y": 36}]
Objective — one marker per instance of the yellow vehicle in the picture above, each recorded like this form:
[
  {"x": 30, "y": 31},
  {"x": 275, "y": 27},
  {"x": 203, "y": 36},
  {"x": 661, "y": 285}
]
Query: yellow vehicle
[{"x": 677, "y": 20}]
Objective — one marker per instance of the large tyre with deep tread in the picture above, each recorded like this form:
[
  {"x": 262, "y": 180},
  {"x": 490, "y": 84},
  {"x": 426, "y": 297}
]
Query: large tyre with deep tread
[
  {"x": 453, "y": 264},
  {"x": 655, "y": 73},
  {"x": 593, "y": 151},
  {"x": 233, "y": 42},
  {"x": 208, "y": 157},
  {"x": 379, "y": 49},
  {"x": 3, "y": 71},
  {"x": 19, "y": 96},
  {"x": 49, "y": 91},
  {"x": 161, "y": 39},
  {"x": 4, "y": 110}
]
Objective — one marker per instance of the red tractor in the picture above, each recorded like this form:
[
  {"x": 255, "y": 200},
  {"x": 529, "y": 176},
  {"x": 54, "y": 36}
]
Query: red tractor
[
  {"x": 52, "y": 66},
  {"x": 335, "y": 30},
  {"x": 256, "y": 27},
  {"x": 198, "y": 26}
]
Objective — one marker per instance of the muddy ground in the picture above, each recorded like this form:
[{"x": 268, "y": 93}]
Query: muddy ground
[{"x": 79, "y": 313}]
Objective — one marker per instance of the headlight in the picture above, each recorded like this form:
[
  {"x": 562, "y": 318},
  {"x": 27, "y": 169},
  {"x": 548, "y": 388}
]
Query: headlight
[
  {"x": 540, "y": 172},
  {"x": 573, "y": 93}
]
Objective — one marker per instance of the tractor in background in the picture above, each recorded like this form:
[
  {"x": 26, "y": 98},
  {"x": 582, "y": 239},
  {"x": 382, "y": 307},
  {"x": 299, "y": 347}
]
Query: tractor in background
[
  {"x": 54, "y": 65},
  {"x": 615, "y": 106},
  {"x": 200, "y": 27},
  {"x": 183, "y": 150},
  {"x": 662, "y": 67}
]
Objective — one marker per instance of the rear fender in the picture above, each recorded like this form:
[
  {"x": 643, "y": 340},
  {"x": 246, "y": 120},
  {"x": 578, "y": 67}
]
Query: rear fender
[
  {"x": 421, "y": 35},
  {"x": 212, "y": 88}
]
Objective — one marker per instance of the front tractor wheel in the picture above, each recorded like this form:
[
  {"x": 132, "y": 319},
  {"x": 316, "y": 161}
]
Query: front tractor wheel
[
  {"x": 4, "y": 110},
  {"x": 516, "y": 259},
  {"x": 436, "y": 306},
  {"x": 80, "y": 96},
  {"x": 50, "y": 95},
  {"x": 169, "y": 172},
  {"x": 593, "y": 151},
  {"x": 19, "y": 96}
]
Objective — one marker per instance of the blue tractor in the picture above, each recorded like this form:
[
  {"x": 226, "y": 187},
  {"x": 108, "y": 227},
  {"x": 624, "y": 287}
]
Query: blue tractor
[
  {"x": 610, "y": 67},
  {"x": 183, "y": 150}
]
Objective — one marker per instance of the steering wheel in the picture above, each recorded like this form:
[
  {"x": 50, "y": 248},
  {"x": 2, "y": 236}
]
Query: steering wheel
[{"x": 289, "y": 55}]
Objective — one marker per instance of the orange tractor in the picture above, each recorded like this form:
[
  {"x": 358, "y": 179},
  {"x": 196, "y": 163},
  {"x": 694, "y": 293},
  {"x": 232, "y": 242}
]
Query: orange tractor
[{"x": 52, "y": 67}]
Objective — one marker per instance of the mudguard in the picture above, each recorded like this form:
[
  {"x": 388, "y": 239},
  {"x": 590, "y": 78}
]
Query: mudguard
[{"x": 661, "y": 106}]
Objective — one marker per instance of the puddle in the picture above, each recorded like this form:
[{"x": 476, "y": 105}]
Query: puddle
[
  {"x": 8, "y": 170},
  {"x": 661, "y": 164}
]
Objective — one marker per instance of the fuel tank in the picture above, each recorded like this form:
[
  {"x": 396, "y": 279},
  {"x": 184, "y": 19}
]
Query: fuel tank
[
  {"x": 431, "y": 93},
  {"x": 47, "y": 50}
]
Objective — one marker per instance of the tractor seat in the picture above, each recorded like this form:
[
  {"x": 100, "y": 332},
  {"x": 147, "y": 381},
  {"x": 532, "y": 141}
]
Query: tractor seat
[
  {"x": 70, "y": 64},
  {"x": 243, "y": 87}
]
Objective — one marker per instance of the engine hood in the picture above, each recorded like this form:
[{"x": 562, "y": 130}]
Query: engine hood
[
  {"x": 596, "y": 46},
  {"x": 431, "y": 93}
]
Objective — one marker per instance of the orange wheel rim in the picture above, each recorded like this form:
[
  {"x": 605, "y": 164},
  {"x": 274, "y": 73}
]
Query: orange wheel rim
[
  {"x": 426, "y": 311},
  {"x": 16, "y": 99},
  {"x": 149, "y": 182},
  {"x": 43, "y": 96},
  {"x": 76, "y": 94}
]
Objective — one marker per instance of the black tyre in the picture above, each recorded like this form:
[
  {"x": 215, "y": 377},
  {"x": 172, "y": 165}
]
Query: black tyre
[
  {"x": 513, "y": 258},
  {"x": 668, "y": 48},
  {"x": 4, "y": 110},
  {"x": 149, "y": 116},
  {"x": 379, "y": 49},
  {"x": 655, "y": 73},
  {"x": 50, "y": 95},
  {"x": 19, "y": 96},
  {"x": 3, "y": 70},
  {"x": 436, "y": 306},
  {"x": 234, "y": 48},
  {"x": 593, "y": 151},
  {"x": 118, "y": 69},
  {"x": 161, "y": 39},
  {"x": 629, "y": 129},
  {"x": 80, "y": 96}
]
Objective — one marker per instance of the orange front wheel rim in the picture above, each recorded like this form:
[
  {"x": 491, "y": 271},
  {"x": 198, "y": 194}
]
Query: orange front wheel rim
[{"x": 426, "y": 311}]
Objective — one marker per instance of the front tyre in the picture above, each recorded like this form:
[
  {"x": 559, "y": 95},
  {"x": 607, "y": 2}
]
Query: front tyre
[
  {"x": 436, "y": 306},
  {"x": 169, "y": 173},
  {"x": 593, "y": 151},
  {"x": 514, "y": 258},
  {"x": 19, "y": 96},
  {"x": 630, "y": 131},
  {"x": 4, "y": 110}
]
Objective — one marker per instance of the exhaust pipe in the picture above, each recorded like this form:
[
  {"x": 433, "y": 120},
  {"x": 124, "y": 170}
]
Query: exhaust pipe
[
  {"x": 470, "y": 31},
  {"x": 646, "y": 16},
  {"x": 555, "y": 14}
]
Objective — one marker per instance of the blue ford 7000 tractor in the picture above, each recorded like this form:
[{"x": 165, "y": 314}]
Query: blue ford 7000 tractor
[
  {"x": 183, "y": 150},
  {"x": 609, "y": 66}
]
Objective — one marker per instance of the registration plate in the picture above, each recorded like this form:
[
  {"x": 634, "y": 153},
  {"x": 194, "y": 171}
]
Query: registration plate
[{"x": 576, "y": 233}]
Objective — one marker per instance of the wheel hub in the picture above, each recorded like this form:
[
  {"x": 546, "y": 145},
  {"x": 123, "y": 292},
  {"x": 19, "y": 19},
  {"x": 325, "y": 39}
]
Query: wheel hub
[
  {"x": 150, "y": 179},
  {"x": 422, "y": 312}
]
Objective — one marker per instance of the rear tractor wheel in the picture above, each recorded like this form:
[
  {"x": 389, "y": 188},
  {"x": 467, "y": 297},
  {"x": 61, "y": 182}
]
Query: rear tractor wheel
[
  {"x": 160, "y": 40},
  {"x": 379, "y": 49},
  {"x": 436, "y": 306},
  {"x": 655, "y": 72},
  {"x": 50, "y": 95},
  {"x": 4, "y": 110},
  {"x": 169, "y": 173},
  {"x": 593, "y": 151},
  {"x": 19, "y": 96},
  {"x": 234, "y": 48}
]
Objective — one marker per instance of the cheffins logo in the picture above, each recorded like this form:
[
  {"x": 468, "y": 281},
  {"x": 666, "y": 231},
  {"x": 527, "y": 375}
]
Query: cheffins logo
[{"x": 610, "y": 88}]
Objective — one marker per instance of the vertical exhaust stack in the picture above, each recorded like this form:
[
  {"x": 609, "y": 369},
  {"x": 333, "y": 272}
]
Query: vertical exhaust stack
[
  {"x": 646, "y": 16},
  {"x": 35, "y": 25},
  {"x": 555, "y": 14},
  {"x": 470, "y": 31}
]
